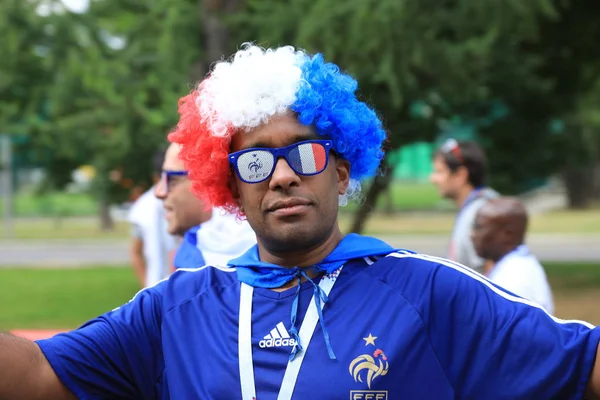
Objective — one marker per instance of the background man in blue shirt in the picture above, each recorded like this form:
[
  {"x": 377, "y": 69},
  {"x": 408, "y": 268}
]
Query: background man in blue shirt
[{"x": 209, "y": 235}]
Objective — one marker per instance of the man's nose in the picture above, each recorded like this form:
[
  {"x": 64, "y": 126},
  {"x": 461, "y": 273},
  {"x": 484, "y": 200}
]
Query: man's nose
[
  {"x": 160, "y": 190},
  {"x": 283, "y": 176}
]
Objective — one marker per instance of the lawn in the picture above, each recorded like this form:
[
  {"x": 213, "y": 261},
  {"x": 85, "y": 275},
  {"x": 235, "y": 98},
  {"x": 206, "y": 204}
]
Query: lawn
[
  {"x": 419, "y": 210},
  {"x": 66, "y": 228},
  {"x": 409, "y": 196},
  {"x": 576, "y": 290},
  {"x": 405, "y": 223},
  {"x": 417, "y": 223},
  {"x": 53, "y": 204},
  {"x": 61, "y": 298},
  {"x": 435, "y": 222},
  {"x": 65, "y": 298},
  {"x": 403, "y": 196}
]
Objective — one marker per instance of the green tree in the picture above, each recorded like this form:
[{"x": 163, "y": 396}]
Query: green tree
[
  {"x": 23, "y": 76},
  {"x": 571, "y": 62},
  {"x": 408, "y": 51},
  {"x": 118, "y": 71}
]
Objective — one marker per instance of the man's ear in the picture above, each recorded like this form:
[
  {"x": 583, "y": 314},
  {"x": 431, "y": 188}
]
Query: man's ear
[
  {"x": 463, "y": 172},
  {"x": 342, "y": 168}
]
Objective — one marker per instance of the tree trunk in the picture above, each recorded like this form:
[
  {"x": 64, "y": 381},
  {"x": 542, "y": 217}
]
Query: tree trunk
[
  {"x": 388, "y": 207},
  {"x": 379, "y": 185},
  {"x": 578, "y": 182},
  {"x": 595, "y": 190},
  {"x": 106, "y": 221},
  {"x": 216, "y": 33}
]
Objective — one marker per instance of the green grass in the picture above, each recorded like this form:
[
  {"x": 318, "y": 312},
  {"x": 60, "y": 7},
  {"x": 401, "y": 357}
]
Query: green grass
[
  {"x": 414, "y": 196},
  {"x": 67, "y": 228},
  {"x": 53, "y": 204},
  {"x": 403, "y": 196},
  {"x": 573, "y": 277},
  {"x": 61, "y": 298},
  {"x": 567, "y": 221},
  {"x": 419, "y": 223},
  {"x": 423, "y": 223},
  {"x": 65, "y": 298},
  {"x": 408, "y": 196},
  {"x": 418, "y": 210}
]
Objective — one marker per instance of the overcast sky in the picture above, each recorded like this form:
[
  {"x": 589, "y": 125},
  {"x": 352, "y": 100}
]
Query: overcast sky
[
  {"x": 77, "y": 6},
  {"x": 47, "y": 7}
]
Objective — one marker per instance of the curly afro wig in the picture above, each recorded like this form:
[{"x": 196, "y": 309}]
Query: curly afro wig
[{"x": 254, "y": 85}]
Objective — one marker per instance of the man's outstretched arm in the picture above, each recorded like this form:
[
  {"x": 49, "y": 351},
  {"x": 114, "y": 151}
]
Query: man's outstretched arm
[
  {"x": 593, "y": 389},
  {"x": 26, "y": 374}
]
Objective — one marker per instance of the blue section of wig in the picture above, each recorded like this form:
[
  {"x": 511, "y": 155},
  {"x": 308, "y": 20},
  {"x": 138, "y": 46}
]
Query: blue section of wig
[{"x": 326, "y": 99}]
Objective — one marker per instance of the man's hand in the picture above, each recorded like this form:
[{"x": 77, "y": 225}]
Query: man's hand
[
  {"x": 138, "y": 262},
  {"x": 593, "y": 389}
]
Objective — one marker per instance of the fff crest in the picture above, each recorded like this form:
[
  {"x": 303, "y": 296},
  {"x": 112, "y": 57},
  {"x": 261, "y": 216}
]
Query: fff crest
[{"x": 366, "y": 368}]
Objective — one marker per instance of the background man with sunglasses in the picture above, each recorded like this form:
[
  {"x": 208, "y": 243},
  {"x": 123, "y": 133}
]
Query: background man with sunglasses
[
  {"x": 307, "y": 313},
  {"x": 209, "y": 236},
  {"x": 459, "y": 172}
]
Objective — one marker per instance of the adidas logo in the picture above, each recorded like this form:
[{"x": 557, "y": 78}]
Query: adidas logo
[{"x": 278, "y": 337}]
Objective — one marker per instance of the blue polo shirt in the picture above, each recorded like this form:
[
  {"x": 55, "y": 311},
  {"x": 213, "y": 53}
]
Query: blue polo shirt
[
  {"x": 403, "y": 326},
  {"x": 188, "y": 255}
]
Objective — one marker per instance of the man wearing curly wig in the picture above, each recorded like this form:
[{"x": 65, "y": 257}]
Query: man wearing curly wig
[{"x": 280, "y": 138}]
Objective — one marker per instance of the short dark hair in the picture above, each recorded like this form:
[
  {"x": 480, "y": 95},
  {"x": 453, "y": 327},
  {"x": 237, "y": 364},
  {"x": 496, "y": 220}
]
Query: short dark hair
[
  {"x": 158, "y": 160},
  {"x": 466, "y": 154}
]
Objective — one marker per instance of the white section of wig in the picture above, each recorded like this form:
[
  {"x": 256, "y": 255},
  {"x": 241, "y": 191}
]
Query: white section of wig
[
  {"x": 354, "y": 192},
  {"x": 254, "y": 85}
]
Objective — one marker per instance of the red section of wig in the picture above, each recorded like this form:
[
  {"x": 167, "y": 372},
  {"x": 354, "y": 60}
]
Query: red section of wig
[{"x": 204, "y": 155}]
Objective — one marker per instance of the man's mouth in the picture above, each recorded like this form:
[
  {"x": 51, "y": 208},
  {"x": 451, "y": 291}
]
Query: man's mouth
[{"x": 289, "y": 207}]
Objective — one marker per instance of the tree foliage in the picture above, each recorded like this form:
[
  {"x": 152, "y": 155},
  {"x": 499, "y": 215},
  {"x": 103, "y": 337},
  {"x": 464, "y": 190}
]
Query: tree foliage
[
  {"x": 439, "y": 68},
  {"x": 101, "y": 87},
  {"x": 407, "y": 51}
]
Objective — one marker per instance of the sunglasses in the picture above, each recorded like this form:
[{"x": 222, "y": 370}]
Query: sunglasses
[
  {"x": 305, "y": 158},
  {"x": 169, "y": 179},
  {"x": 451, "y": 146}
]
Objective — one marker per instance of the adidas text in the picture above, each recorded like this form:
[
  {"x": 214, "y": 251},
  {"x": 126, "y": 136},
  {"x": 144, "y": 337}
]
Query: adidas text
[{"x": 276, "y": 343}]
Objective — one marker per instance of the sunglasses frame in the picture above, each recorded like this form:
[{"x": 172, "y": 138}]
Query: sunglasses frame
[
  {"x": 168, "y": 174},
  {"x": 277, "y": 153},
  {"x": 451, "y": 146}
]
